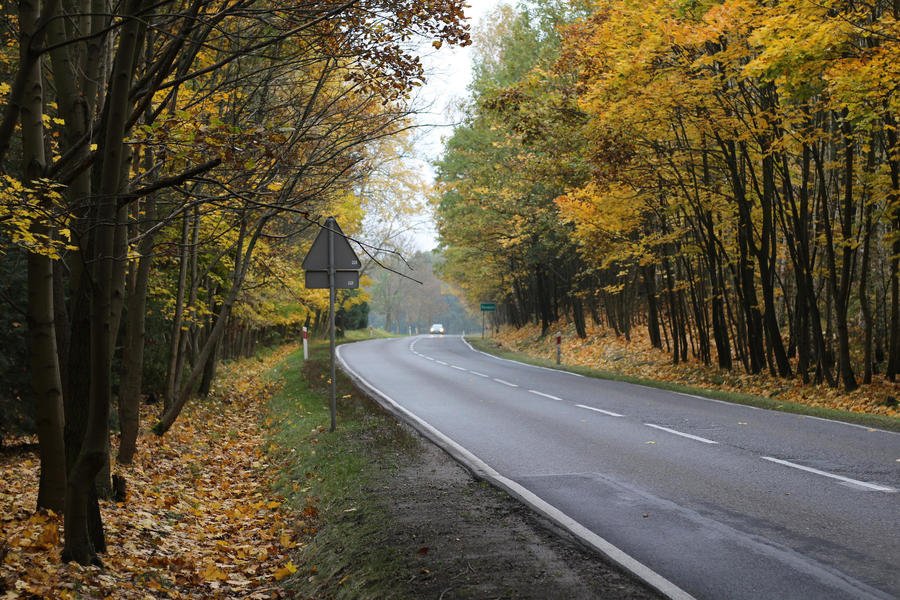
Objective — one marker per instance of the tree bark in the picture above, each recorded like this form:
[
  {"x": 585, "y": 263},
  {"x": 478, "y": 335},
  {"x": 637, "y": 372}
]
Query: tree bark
[
  {"x": 242, "y": 262},
  {"x": 79, "y": 545},
  {"x": 46, "y": 382}
]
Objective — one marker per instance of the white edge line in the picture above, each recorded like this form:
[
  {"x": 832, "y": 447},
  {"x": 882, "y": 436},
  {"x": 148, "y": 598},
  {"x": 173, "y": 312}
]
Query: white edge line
[
  {"x": 710, "y": 399},
  {"x": 871, "y": 486},
  {"x": 545, "y": 395},
  {"x": 679, "y": 393},
  {"x": 852, "y": 425},
  {"x": 506, "y": 382},
  {"x": 519, "y": 362},
  {"x": 483, "y": 471},
  {"x": 600, "y": 410},
  {"x": 681, "y": 433},
  {"x": 838, "y": 422}
]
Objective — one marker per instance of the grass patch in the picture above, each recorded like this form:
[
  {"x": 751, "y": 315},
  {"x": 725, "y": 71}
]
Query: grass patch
[
  {"x": 356, "y": 335},
  {"x": 878, "y": 421},
  {"x": 326, "y": 477}
]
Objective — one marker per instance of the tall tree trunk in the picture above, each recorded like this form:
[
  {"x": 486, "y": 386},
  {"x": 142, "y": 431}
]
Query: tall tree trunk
[
  {"x": 175, "y": 345},
  {"x": 241, "y": 264},
  {"x": 78, "y": 543},
  {"x": 648, "y": 273},
  {"x": 840, "y": 286},
  {"x": 45, "y": 373},
  {"x": 893, "y": 147},
  {"x": 133, "y": 354}
]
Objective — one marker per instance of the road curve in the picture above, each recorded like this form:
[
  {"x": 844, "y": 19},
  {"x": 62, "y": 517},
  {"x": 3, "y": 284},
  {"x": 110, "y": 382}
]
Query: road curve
[{"x": 699, "y": 497}]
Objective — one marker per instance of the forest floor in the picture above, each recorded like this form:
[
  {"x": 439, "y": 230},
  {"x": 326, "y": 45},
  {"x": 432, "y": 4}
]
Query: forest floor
[
  {"x": 250, "y": 496},
  {"x": 199, "y": 521},
  {"x": 604, "y": 354}
]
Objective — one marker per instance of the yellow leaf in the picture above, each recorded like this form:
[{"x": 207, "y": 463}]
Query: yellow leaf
[
  {"x": 288, "y": 569},
  {"x": 213, "y": 573}
]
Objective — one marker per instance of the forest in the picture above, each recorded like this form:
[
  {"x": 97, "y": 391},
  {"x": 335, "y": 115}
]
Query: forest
[
  {"x": 724, "y": 176},
  {"x": 163, "y": 166}
]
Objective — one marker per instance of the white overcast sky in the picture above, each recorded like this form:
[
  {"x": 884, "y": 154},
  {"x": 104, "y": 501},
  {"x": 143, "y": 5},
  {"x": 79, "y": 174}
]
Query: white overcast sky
[{"x": 449, "y": 72}]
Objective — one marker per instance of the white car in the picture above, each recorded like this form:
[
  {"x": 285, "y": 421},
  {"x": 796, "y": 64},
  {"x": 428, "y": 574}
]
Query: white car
[{"x": 437, "y": 328}]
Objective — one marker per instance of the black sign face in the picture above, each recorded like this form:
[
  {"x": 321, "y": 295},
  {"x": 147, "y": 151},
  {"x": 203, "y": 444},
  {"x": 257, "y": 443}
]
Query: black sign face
[
  {"x": 343, "y": 280},
  {"x": 345, "y": 258}
]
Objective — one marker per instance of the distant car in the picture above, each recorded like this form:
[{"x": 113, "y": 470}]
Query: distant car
[{"x": 437, "y": 328}]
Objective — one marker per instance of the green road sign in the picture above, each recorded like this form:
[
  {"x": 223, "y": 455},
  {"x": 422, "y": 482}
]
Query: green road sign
[{"x": 488, "y": 306}]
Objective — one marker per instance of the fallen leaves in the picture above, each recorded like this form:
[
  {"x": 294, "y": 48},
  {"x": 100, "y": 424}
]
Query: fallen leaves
[
  {"x": 200, "y": 521},
  {"x": 282, "y": 572},
  {"x": 603, "y": 350}
]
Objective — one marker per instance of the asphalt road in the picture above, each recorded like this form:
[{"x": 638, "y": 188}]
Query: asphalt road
[{"x": 724, "y": 501}]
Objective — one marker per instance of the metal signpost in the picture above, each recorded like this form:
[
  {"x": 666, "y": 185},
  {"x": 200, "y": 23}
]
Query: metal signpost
[
  {"x": 486, "y": 307},
  {"x": 331, "y": 263}
]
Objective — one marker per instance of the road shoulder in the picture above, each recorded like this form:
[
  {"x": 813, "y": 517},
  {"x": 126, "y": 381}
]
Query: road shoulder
[{"x": 410, "y": 522}]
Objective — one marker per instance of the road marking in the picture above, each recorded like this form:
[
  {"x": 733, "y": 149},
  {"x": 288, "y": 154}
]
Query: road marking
[
  {"x": 477, "y": 465},
  {"x": 505, "y": 382},
  {"x": 600, "y": 410},
  {"x": 869, "y": 429},
  {"x": 479, "y": 374},
  {"x": 440, "y": 362},
  {"x": 458, "y": 368},
  {"x": 687, "y": 435},
  {"x": 464, "y": 341},
  {"x": 545, "y": 395},
  {"x": 871, "y": 486},
  {"x": 713, "y": 400},
  {"x": 427, "y": 358}
]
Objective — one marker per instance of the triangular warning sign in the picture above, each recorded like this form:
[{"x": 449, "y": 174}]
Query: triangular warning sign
[{"x": 345, "y": 258}]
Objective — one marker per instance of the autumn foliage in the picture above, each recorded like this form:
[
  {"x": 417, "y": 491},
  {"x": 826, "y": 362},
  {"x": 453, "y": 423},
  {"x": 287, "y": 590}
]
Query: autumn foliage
[
  {"x": 199, "y": 521},
  {"x": 604, "y": 351},
  {"x": 723, "y": 176},
  {"x": 163, "y": 168}
]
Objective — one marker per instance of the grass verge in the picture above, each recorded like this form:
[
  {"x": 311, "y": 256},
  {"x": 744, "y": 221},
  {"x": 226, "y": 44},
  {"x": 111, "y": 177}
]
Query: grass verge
[
  {"x": 877, "y": 421},
  {"x": 325, "y": 478}
]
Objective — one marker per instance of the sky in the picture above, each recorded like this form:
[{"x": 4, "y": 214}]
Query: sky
[{"x": 449, "y": 72}]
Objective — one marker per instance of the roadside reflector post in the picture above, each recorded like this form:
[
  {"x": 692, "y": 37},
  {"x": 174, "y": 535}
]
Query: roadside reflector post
[
  {"x": 305, "y": 343},
  {"x": 558, "y": 347}
]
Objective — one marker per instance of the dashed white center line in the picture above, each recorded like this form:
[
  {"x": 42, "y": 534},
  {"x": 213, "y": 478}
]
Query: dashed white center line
[
  {"x": 686, "y": 435},
  {"x": 440, "y": 362},
  {"x": 871, "y": 486},
  {"x": 600, "y": 410},
  {"x": 545, "y": 395},
  {"x": 458, "y": 368},
  {"x": 479, "y": 374},
  {"x": 428, "y": 358},
  {"x": 505, "y": 382}
]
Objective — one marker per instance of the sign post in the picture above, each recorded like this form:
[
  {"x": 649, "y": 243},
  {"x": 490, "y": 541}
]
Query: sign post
[
  {"x": 485, "y": 308},
  {"x": 331, "y": 263},
  {"x": 305, "y": 344}
]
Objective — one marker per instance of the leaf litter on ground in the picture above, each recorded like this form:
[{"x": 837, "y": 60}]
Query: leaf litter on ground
[
  {"x": 200, "y": 519},
  {"x": 602, "y": 349}
]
